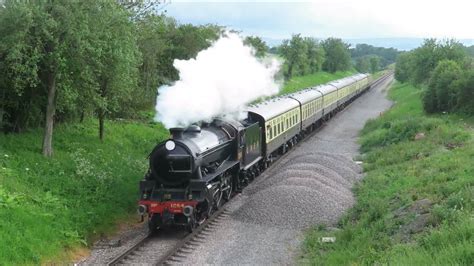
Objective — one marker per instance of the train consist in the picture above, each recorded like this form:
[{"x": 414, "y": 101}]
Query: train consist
[{"x": 200, "y": 167}]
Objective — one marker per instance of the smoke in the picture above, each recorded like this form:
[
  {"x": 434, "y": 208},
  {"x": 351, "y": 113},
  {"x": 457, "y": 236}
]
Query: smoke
[{"x": 220, "y": 81}]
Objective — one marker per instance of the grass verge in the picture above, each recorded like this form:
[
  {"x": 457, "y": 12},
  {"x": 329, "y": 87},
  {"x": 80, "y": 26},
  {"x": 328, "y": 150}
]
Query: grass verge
[
  {"x": 415, "y": 205},
  {"x": 48, "y": 206},
  {"x": 298, "y": 83}
]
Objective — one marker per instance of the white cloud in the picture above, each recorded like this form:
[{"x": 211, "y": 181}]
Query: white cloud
[{"x": 340, "y": 18}]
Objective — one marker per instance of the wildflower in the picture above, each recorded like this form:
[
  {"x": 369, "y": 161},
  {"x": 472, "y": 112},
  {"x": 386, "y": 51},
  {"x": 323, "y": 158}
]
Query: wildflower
[
  {"x": 27, "y": 169},
  {"x": 6, "y": 156}
]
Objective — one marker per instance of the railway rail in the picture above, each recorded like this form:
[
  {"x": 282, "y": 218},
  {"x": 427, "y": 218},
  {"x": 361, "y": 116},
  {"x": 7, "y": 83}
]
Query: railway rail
[{"x": 186, "y": 245}]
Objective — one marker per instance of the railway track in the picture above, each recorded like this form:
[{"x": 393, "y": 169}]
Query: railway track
[
  {"x": 187, "y": 244},
  {"x": 136, "y": 253}
]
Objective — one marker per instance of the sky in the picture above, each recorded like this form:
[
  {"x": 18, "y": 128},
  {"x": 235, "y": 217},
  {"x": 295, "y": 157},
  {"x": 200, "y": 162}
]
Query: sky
[{"x": 334, "y": 18}]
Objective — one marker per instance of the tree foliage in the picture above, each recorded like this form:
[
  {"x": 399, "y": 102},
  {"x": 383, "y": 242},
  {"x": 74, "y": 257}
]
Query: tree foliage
[
  {"x": 386, "y": 56},
  {"x": 337, "y": 55},
  {"x": 65, "y": 61},
  {"x": 368, "y": 63},
  {"x": 445, "y": 69},
  {"x": 302, "y": 56},
  {"x": 315, "y": 54},
  {"x": 403, "y": 67},
  {"x": 259, "y": 46},
  {"x": 431, "y": 52},
  {"x": 161, "y": 40},
  {"x": 441, "y": 94},
  {"x": 465, "y": 90}
]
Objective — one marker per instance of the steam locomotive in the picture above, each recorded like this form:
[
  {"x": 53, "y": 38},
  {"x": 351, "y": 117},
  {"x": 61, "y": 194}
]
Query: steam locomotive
[{"x": 198, "y": 169}]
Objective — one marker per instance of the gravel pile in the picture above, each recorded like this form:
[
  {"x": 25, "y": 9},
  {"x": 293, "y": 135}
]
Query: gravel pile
[
  {"x": 292, "y": 207},
  {"x": 309, "y": 188}
]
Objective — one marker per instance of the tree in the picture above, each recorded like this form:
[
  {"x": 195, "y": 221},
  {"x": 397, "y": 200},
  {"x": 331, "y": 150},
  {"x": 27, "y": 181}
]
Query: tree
[
  {"x": 403, "y": 67},
  {"x": 259, "y": 46},
  {"x": 374, "y": 63},
  {"x": 426, "y": 58},
  {"x": 441, "y": 93},
  {"x": 155, "y": 44},
  {"x": 113, "y": 58},
  {"x": 161, "y": 40},
  {"x": 294, "y": 52},
  {"x": 36, "y": 49},
  {"x": 363, "y": 64},
  {"x": 470, "y": 50},
  {"x": 337, "y": 55},
  {"x": 315, "y": 55},
  {"x": 465, "y": 89},
  {"x": 387, "y": 56}
]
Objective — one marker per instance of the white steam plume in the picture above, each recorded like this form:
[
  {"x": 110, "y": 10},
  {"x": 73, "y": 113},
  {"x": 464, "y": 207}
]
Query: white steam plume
[{"x": 219, "y": 81}]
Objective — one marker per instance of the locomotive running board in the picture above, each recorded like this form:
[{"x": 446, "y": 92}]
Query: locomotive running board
[
  {"x": 252, "y": 163},
  {"x": 224, "y": 167}
]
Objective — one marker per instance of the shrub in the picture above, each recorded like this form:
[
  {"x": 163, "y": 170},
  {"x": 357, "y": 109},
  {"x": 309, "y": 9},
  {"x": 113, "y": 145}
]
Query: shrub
[
  {"x": 441, "y": 93},
  {"x": 465, "y": 88}
]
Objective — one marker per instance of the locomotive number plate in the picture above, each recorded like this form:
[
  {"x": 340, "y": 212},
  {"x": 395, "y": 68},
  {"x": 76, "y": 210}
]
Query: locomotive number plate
[{"x": 177, "y": 205}]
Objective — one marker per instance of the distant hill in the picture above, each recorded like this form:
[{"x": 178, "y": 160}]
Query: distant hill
[{"x": 397, "y": 43}]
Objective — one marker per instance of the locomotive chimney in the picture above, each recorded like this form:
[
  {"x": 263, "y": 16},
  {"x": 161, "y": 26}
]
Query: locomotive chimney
[{"x": 176, "y": 132}]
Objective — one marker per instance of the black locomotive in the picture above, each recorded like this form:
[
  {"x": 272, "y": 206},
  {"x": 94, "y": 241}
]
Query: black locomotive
[
  {"x": 199, "y": 168},
  {"x": 195, "y": 171}
]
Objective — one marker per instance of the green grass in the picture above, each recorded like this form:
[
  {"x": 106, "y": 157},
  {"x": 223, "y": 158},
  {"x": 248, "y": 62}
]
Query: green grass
[
  {"x": 400, "y": 173},
  {"x": 301, "y": 82},
  {"x": 48, "y": 206}
]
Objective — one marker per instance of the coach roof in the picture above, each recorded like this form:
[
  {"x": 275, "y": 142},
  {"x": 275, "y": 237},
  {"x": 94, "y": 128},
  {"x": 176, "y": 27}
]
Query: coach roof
[{"x": 273, "y": 107}]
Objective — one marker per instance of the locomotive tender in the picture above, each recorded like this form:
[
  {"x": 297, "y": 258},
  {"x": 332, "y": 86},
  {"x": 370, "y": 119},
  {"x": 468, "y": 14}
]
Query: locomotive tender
[{"x": 195, "y": 171}]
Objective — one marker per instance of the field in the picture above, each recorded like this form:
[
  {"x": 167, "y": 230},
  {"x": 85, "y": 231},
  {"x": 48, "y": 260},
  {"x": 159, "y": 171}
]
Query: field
[{"x": 415, "y": 205}]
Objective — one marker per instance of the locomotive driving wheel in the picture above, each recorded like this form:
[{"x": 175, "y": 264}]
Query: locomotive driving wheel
[
  {"x": 218, "y": 197},
  {"x": 226, "y": 187}
]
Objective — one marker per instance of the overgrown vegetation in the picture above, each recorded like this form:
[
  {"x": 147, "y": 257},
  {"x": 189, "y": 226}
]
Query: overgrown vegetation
[
  {"x": 415, "y": 205},
  {"x": 445, "y": 71},
  {"x": 51, "y": 205}
]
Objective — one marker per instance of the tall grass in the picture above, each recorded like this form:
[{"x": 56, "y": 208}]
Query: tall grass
[
  {"x": 386, "y": 226},
  {"x": 49, "y": 205}
]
